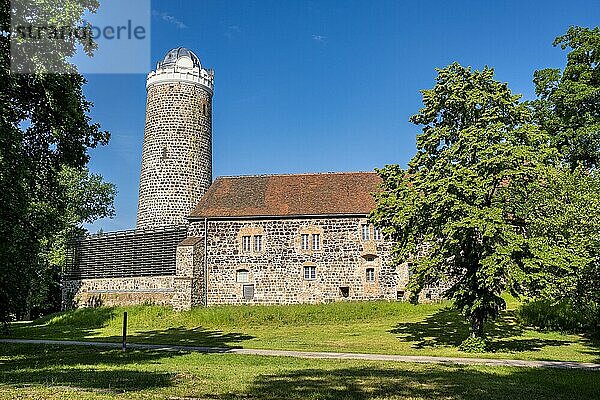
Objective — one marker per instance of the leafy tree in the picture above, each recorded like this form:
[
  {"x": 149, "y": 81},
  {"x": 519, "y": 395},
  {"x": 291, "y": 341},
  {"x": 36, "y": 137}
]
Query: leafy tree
[
  {"x": 457, "y": 212},
  {"x": 563, "y": 242},
  {"x": 86, "y": 197},
  {"x": 568, "y": 106},
  {"x": 566, "y": 220},
  {"x": 44, "y": 128}
]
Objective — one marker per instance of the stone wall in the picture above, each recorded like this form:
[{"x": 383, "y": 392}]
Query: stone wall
[
  {"x": 346, "y": 267},
  {"x": 189, "y": 283},
  {"x": 277, "y": 271},
  {"x": 118, "y": 291},
  {"x": 177, "y": 153}
]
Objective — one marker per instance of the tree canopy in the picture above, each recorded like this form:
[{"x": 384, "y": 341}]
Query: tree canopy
[
  {"x": 45, "y": 130},
  {"x": 456, "y": 211},
  {"x": 568, "y": 104},
  {"x": 566, "y": 217},
  {"x": 503, "y": 195}
]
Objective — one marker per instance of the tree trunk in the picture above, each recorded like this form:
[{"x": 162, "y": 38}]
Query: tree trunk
[{"x": 476, "y": 327}]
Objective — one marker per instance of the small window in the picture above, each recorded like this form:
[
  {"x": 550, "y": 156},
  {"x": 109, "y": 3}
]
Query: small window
[
  {"x": 204, "y": 109},
  {"x": 316, "y": 241},
  {"x": 248, "y": 292},
  {"x": 310, "y": 272},
  {"x": 369, "y": 258},
  {"x": 400, "y": 295},
  {"x": 370, "y": 275},
  {"x": 246, "y": 244},
  {"x": 365, "y": 232},
  {"x": 376, "y": 233},
  {"x": 428, "y": 295},
  {"x": 345, "y": 291},
  {"x": 304, "y": 241},
  {"x": 258, "y": 246},
  {"x": 242, "y": 276}
]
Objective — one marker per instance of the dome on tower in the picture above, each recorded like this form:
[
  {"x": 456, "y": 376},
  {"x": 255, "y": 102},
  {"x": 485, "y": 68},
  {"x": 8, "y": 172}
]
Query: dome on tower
[{"x": 180, "y": 57}]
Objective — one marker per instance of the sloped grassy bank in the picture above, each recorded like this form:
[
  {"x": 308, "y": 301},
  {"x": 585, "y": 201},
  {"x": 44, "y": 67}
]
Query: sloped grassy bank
[{"x": 367, "y": 327}]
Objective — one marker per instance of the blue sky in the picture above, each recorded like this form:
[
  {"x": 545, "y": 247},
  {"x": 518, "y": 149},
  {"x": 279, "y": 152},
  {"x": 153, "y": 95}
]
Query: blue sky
[{"x": 317, "y": 86}]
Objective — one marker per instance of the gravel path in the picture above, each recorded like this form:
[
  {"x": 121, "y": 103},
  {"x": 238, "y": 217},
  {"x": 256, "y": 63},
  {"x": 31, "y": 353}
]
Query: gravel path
[{"x": 325, "y": 355}]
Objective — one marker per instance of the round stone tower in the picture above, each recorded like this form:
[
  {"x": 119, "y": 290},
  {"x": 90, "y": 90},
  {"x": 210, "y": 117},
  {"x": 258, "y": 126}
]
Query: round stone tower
[{"x": 177, "y": 151}]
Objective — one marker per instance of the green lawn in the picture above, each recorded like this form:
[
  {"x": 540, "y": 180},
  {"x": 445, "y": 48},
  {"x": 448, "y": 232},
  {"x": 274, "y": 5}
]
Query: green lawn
[
  {"x": 63, "y": 372},
  {"x": 374, "y": 327}
]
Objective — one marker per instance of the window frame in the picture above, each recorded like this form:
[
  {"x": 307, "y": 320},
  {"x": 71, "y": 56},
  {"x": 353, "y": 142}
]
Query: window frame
[
  {"x": 246, "y": 240},
  {"x": 370, "y": 274},
  {"x": 239, "y": 273},
  {"x": 316, "y": 236},
  {"x": 312, "y": 272},
  {"x": 365, "y": 232},
  {"x": 257, "y": 243},
  {"x": 304, "y": 245},
  {"x": 377, "y": 235}
]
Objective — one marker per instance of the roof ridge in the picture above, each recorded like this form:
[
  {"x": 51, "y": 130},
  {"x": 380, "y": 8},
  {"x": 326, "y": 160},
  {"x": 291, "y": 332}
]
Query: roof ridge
[{"x": 298, "y": 174}]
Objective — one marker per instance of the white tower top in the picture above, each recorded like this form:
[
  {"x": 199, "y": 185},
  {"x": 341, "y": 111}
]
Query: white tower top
[{"x": 181, "y": 65}]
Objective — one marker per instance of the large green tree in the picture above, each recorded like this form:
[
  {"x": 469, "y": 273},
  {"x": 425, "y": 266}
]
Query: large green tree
[
  {"x": 566, "y": 217},
  {"x": 456, "y": 212},
  {"x": 563, "y": 244},
  {"x": 84, "y": 198},
  {"x": 44, "y": 128},
  {"x": 568, "y": 105}
]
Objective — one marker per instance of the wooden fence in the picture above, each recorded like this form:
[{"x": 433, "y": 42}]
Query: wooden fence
[{"x": 124, "y": 254}]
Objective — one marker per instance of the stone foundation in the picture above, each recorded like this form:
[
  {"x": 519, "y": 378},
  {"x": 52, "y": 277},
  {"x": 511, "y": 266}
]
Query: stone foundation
[{"x": 118, "y": 291}]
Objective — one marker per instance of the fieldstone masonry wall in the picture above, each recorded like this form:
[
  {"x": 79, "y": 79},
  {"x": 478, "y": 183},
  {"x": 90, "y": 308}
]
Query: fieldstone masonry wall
[
  {"x": 118, "y": 291},
  {"x": 277, "y": 272},
  {"x": 177, "y": 151},
  {"x": 189, "y": 283}
]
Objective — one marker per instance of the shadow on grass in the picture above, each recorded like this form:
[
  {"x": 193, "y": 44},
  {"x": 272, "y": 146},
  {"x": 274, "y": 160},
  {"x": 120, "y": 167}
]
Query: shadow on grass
[
  {"x": 447, "y": 328},
  {"x": 111, "y": 370},
  {"x": 593, "y": 344},
  {"x": 444, "y": 328},
  {"x": 73, "y": 325},
  {"x": 116, "y": 372},
  {"x": 82, "y": 324},
  {"x": 190, "y": 337},
  {"x": 425, "y": 382}
]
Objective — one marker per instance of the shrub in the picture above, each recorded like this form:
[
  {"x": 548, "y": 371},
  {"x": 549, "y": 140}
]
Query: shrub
[
  {"x": 561, "y": 316},
  {"x": 473, "y": 345}
]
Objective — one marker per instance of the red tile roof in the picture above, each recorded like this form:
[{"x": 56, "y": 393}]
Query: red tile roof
[{"x": 289, "y": 195}]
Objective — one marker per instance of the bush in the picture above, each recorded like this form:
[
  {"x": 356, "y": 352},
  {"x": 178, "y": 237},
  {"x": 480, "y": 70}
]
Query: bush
[
  {"x": 473, "y": 345},
  {"x": 563, "y": 316}
]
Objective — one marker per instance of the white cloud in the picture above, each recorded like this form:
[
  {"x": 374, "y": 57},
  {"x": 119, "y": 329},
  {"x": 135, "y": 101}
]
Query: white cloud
[
  {"x": 232, "y": 31},
  {"x": 170, "y": 19},
  {"x": 319, "y": 38}
]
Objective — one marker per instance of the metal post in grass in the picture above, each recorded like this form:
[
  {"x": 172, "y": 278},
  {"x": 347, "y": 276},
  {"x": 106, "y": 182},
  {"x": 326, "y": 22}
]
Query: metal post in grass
[{"x": 124, "y": 330}]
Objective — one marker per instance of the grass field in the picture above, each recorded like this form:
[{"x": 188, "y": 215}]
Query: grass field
[
  {"x": 373, "y": 327},
  {"x": 52, "y": 372}
]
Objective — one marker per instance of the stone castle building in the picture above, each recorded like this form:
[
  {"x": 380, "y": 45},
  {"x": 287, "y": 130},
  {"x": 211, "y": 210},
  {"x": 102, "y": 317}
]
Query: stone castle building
[{"x": 269, "y": 239}]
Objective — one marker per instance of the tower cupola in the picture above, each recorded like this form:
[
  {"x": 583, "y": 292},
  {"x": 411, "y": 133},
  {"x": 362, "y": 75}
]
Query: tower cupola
[{"x": 179, "y": 65}]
